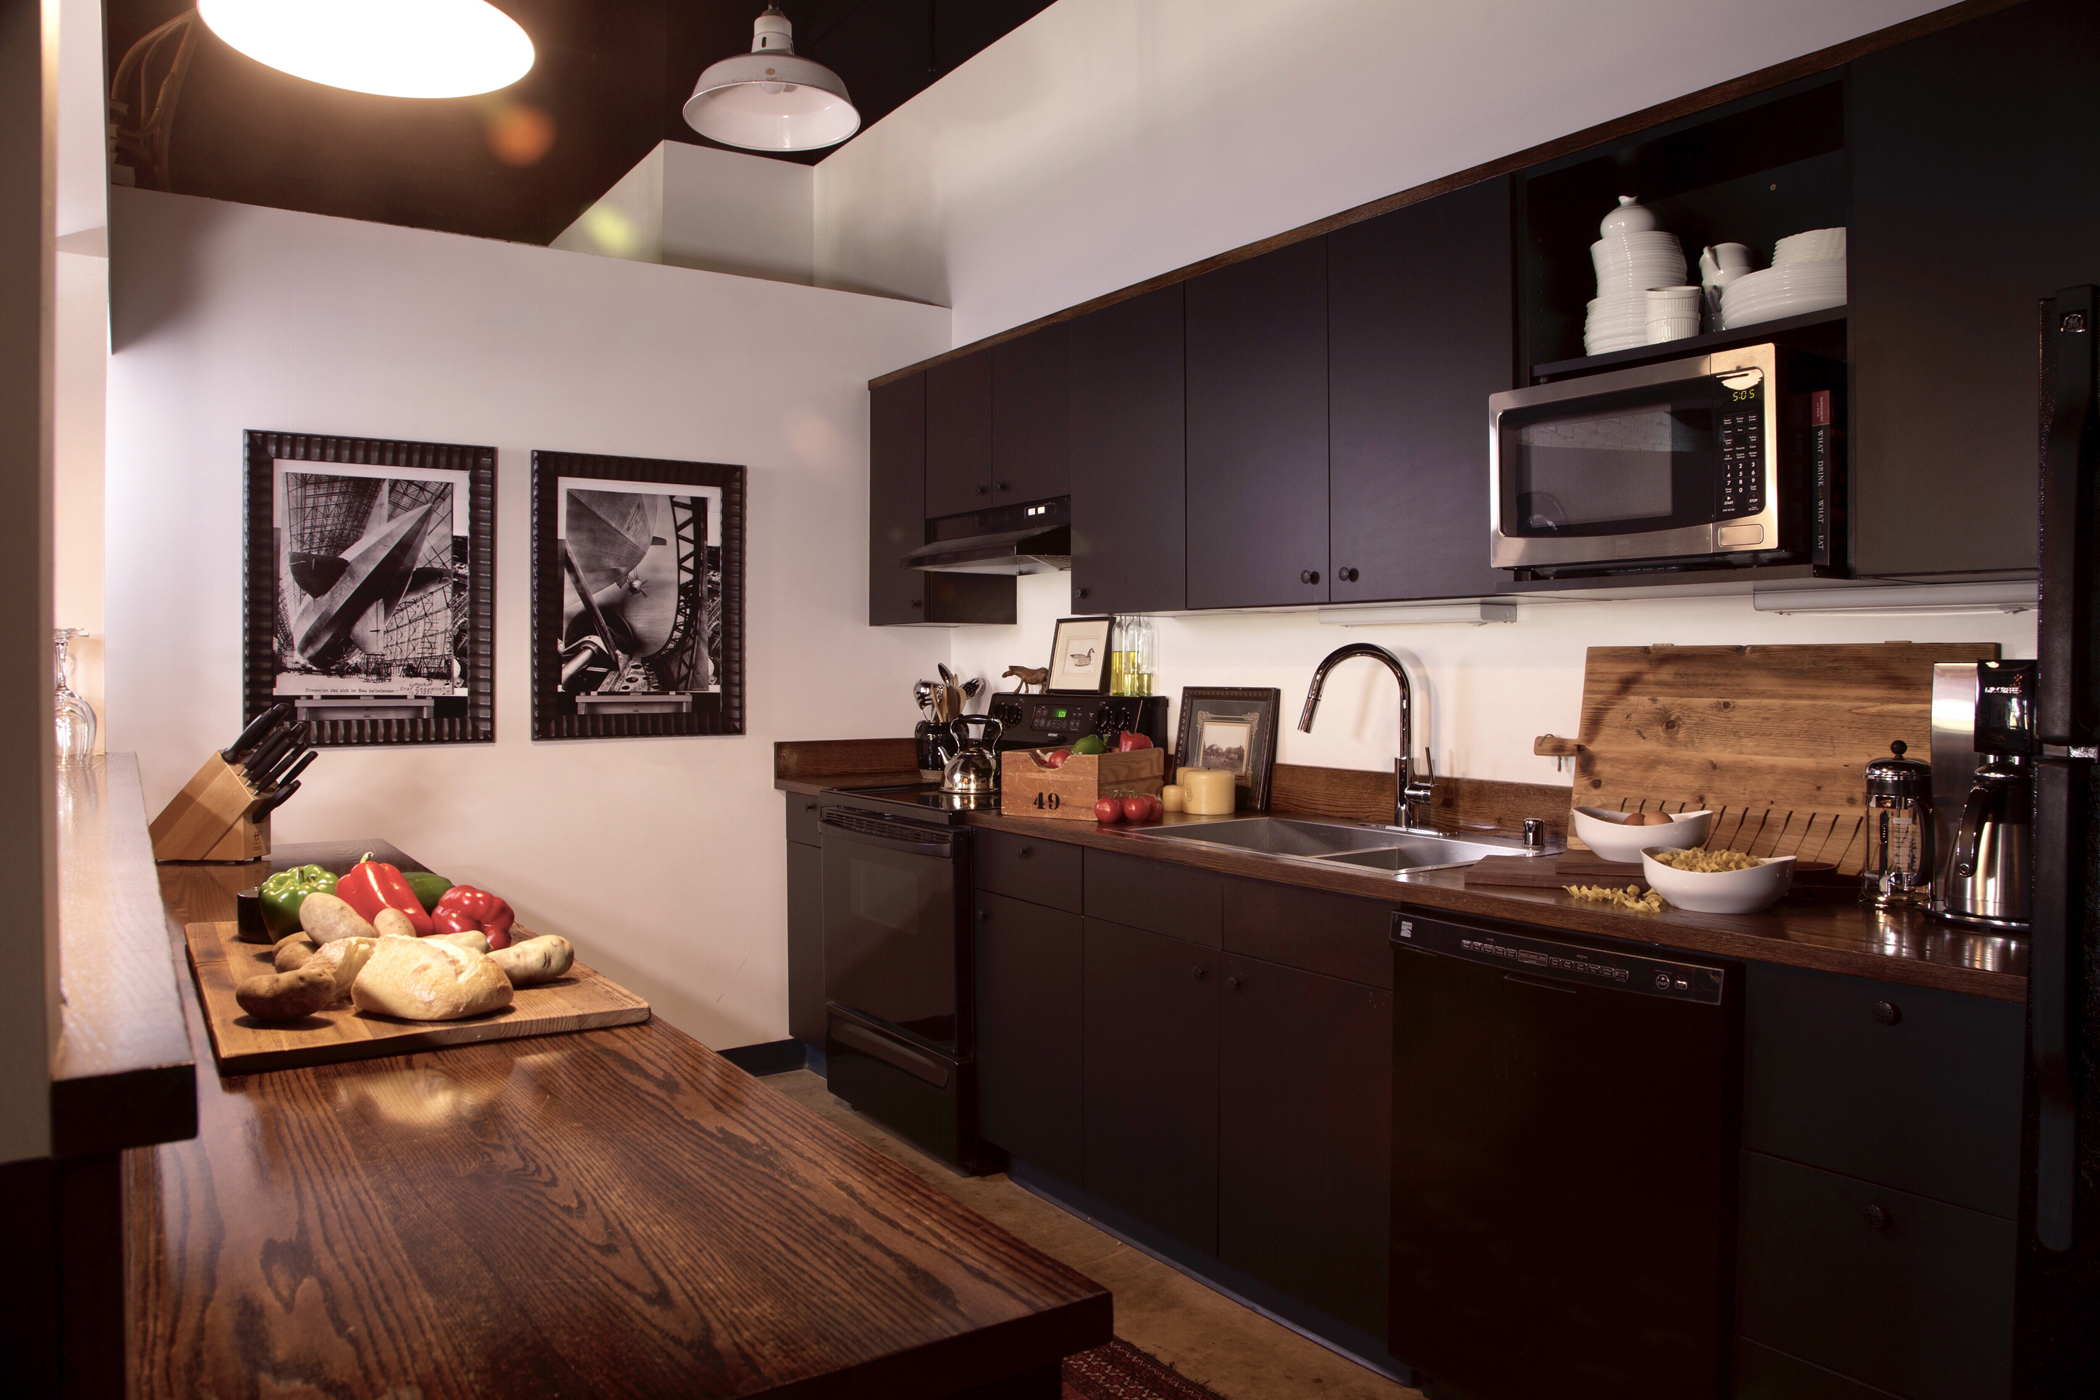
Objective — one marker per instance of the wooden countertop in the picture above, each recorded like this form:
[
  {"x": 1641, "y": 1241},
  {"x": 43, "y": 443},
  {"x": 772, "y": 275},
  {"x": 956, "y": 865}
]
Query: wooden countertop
[
  {"x": 123, "y": 1073},
  {"x": 609, "y": 1212},
  {"x": 1893, "y": 946}
]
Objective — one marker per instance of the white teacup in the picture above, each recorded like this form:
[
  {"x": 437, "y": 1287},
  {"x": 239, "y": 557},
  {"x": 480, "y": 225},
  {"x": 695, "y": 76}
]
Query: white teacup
[{"x": 1723, "y": 257}]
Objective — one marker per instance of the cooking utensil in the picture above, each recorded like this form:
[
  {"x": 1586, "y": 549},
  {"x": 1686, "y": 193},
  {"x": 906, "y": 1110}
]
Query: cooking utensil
[
  {"x": 922, "y": 692},
  {"x": 972, "y": 686},
  {"x": 975, "y": 767}
]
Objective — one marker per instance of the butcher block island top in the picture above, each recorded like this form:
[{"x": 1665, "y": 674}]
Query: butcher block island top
[{"x": 615, "y": 1212}]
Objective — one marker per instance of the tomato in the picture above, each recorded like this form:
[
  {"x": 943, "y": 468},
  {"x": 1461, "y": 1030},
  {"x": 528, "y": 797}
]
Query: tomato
[
  {"x": 1136, "y": 809},
  {"x": 1108, "y": 810},
  {"x": 1154, "y": 808},
  {"x": 1056, "y": 757}
]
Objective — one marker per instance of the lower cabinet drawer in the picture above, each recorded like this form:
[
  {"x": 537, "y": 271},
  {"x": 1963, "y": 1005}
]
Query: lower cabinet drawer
[
  {"x": 1030, "y": 868},
  {"x": 1906, "y": 1294},
  {"x": 1764, "y": 1374}
]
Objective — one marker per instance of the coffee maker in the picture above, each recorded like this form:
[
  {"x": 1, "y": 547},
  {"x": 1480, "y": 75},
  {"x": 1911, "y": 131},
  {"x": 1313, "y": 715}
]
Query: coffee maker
[{"x": 1983, "y": 747}]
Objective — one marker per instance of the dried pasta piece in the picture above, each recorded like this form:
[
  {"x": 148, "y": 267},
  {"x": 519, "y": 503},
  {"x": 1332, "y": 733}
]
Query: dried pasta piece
[
  {"x": 1631, "y": 898},
  {"x": 1703, "y": 862}
]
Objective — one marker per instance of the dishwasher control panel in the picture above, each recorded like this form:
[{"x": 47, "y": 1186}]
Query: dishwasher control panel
[{"x": 1554, "y": 961}]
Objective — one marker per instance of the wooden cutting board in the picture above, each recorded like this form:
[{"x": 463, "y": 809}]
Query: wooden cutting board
[
  {"x": 1552, "y": 872},
  {"x": 583, "y": 1000},
  {"x": 1774, "y": 740}
]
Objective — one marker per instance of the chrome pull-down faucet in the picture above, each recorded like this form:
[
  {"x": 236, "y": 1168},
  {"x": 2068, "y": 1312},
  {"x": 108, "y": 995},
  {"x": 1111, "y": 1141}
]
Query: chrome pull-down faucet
[{"x": 1409, "y": 792}]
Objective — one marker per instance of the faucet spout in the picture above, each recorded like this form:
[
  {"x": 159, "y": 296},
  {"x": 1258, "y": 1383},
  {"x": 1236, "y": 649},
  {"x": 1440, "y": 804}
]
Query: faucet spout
[{"x": 1410, "y": 793}]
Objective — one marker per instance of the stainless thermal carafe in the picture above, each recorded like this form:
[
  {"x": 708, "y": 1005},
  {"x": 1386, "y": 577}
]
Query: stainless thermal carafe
[{"x": 1898, "y": 870}]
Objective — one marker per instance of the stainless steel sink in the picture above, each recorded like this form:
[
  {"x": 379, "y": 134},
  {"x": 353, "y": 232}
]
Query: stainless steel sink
[{"x": 1342, "y": 843}]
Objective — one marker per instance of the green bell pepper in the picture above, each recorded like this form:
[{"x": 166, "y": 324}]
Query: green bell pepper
[
  {"x": 284, "y": 892},
  {"x": 429, "y": 888}
]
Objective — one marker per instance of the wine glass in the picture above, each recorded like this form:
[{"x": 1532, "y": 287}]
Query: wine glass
[{"x": 75, "y": 717}]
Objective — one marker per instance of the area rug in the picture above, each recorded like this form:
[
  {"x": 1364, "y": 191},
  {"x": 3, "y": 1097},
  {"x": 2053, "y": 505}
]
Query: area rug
[{"x": 1119, "y": 1371}]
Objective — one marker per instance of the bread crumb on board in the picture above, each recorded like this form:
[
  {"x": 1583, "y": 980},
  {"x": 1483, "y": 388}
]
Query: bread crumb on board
[{"x": 1630, "y": 898}]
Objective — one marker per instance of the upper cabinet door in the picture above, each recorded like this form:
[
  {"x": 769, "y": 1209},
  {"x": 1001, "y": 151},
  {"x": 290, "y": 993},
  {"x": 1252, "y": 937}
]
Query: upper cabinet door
[
  {"x": 1257, "y": 430},
  {"x": 1975, "y": 192},
  {"x": 1032, "y": 417},
  {"x": 959, "y": 436},
  {"x": 1420, "y": 330},
  {"x": 896, "y": 500},
  {"x": 1129, "y": 457}
]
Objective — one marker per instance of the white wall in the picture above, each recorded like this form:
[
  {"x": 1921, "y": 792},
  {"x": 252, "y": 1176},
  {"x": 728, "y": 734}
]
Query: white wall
[
  {"x": 1107, "y": 141},
  {"x": 1482, "y": 694},
  {"x": 82, "y": 356},
  {"x": 662, "y": 859},
  {"x": 695, "y": 206}
]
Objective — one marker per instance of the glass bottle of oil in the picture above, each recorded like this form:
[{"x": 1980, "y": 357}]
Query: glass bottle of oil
[{"x": 1135, "y": 656}]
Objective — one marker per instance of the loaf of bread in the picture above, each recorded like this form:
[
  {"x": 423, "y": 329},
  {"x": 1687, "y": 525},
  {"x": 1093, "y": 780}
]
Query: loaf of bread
[
  {"x": 423, "y": 979},
  {"x": 346, "y": 958}
]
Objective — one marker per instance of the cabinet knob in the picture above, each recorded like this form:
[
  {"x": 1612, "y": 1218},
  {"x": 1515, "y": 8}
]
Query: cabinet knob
[
  {"x": 1025, "y": 852},
  {"x": 917, "y": 603},
  {"x": 1345, "y": 575},
  {"x": 809, "y": 806},
  {"x": 983, "y": 915},
  {"x": 1877, "y": 1218},
  {"x": 1236, "y": 984},
  {"x": 1004, "y": 487},
  {"x": 1309, "y": 576},
  {"x": 1201, "y": 973},
  {"x": 1886, "y": 1013},
  {"x": 984, "y": 490},
  {"x": 1083, "y": 592}
]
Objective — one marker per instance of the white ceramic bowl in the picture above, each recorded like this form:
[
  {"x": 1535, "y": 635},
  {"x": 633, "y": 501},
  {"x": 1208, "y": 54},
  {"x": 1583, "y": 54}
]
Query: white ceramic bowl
[
  {"x": 1605, "y": 831},
  {"x": 1720, "y": 891}
]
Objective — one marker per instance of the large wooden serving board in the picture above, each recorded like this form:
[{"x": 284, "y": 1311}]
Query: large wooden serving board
[
  {"x": 1774, "y": 740},
  {"x": 583, "y": 1000}
]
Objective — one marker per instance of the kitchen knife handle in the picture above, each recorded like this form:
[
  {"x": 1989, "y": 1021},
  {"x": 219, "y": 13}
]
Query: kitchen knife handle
[
  {"x": 257, "y": 727},
  {"x": 296, "y": 769},
  {"x": 271, "y": 804}
]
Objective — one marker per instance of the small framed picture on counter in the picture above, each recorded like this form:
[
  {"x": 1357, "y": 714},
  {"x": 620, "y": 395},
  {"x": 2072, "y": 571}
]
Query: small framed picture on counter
[
  {"x": 637, "y": 597},
  {"x": 1231, "y": 728},
  {"x": 1079, "y": 656},
  {"x": 371, "y": 581}
]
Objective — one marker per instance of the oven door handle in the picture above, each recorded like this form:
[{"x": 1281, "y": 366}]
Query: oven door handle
[{"x": 945, "y": 850}]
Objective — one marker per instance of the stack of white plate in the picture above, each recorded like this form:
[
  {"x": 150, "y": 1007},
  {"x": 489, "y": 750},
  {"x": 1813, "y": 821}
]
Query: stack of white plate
[
  {"x": 1628, "y": 264},
  {"x": 1807, "y": 274}
]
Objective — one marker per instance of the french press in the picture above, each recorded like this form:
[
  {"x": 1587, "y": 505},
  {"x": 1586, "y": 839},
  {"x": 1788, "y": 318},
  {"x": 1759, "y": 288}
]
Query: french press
[{"x": 1898, "y": 868}]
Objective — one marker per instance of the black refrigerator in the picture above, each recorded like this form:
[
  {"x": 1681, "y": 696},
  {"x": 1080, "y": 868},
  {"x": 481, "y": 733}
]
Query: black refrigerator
[{"x": 2057, "y": 1329}]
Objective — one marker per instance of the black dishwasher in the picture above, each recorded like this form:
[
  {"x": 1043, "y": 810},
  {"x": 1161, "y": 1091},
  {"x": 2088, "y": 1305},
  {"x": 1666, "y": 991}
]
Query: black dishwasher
[{"x": 1565, "y": 1119}]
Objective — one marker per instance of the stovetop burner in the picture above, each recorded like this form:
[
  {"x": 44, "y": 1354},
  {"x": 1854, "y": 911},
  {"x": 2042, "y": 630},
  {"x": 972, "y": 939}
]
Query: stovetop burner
[{"x": 919, "y": 799}]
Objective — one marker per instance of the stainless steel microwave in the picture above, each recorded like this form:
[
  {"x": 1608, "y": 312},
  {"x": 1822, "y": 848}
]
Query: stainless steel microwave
[{"x": 1727, "y": 458}]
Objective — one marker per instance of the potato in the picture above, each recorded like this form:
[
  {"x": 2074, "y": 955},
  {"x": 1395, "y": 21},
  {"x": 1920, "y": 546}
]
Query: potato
[
  {"x": 392, "y": 923},
  {"x": 327, "y": 918},
  {"x": 541, "y": 958},
  {"x": 346, "y": 957},
  {"x": 465, "y": 938},
  {"x": 293, "y": 951},
  {"x": 287, "y": 996}
]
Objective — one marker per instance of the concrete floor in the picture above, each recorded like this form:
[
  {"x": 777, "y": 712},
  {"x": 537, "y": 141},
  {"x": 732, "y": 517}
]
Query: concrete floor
[{"x": 1201, "y": 1333}]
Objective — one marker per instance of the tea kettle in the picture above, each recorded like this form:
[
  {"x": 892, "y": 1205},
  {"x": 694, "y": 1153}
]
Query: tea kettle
[{"x": 975, "y": 767}]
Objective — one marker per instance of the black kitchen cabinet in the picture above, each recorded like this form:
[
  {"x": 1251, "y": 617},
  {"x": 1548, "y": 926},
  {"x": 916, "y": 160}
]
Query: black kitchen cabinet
[
  {"x": 1129, "y": 457},
  {"x": 1153, "y": 895},
  {"x": 897, "y": 515},
  {"x": 1032, "y": 417},
  {"x": 1257, "y": 430},
  {"x": 1901, "y": 1292},
  {"x": 1975, "y": 156},
  {"x": 1151, "y": 1079},
  {"x": 959, "y": 436},
  {"x": 1029, "y": 1069},
  {"x": 805, "y": 921},
  {"x": 1420, "y": 330},
  {"x": 1905, "y": 1086},
  {"x": 1305, "y": 1135}
]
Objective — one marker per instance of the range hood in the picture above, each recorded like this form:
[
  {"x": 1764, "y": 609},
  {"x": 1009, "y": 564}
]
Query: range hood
[{"x": 1035, "y": 539}]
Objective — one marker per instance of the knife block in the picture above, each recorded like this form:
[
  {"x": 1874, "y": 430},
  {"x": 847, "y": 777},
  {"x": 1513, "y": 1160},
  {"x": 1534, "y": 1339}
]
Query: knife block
[{"x": 211, "y": 818}]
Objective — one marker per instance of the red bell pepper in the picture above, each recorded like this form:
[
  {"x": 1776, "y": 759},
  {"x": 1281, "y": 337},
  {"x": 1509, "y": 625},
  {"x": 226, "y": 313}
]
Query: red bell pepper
[
  {"x": 373, "y": 885},
  {"x": 465, "y": 909},
  {"x": 1131, "y": 742}
]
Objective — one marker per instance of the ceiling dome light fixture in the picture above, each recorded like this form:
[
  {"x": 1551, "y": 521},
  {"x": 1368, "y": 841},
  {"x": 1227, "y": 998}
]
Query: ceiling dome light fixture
[
  {"x": 770, "y": 100},
  {"x": 394, "y": 48}
]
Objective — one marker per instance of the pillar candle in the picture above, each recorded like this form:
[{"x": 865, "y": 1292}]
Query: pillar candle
[{"x": 1207, "y": 792}]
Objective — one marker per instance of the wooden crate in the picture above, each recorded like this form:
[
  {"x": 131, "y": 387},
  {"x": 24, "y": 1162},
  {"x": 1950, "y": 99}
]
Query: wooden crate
[{"x": 1028, "y": 788}]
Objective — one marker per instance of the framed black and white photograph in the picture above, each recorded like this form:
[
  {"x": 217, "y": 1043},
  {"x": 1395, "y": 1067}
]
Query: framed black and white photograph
[
  {"x": 371, "y": 587},
  {"x": 1079, "y": 656},
  {"x": 1231, "y": 728},
  {"x": 638, "y": 597}
]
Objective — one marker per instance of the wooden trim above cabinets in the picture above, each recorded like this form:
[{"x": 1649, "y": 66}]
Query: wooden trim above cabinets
[{"x": 1749, "y": 85}]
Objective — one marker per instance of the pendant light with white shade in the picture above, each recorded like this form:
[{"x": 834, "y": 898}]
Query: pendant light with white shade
[
  {"x": 393, "y": 48},
  {"x": 770, "y": 100}
]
